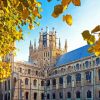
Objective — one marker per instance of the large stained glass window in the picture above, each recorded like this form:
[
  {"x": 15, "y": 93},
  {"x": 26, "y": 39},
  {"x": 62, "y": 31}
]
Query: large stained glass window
[{"x": 45, "y": 40}]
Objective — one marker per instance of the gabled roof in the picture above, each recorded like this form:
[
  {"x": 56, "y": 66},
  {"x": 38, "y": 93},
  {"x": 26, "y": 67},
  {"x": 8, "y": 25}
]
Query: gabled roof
[{"x": 74, "y": 55}]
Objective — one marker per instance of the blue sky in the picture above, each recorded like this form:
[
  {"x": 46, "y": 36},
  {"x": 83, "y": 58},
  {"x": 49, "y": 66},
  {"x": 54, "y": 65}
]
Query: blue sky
[{"x": 87, "y": 16}]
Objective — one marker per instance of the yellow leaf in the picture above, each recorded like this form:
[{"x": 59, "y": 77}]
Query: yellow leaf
[
  {"x": 96, "y": 29},
  {"x": 25, "y": 14},
  {"x": 65, "y": 7},
  {"x": 97, "y": 53},
  {"x": 66, "y": 2},
  {"x": 58, "y": 9},
  {"x": 5, "y": 3},
  {"x": 91, "y": 49},
  {"x": 76, "y": 2},
  {"x": 39, "y": 4},
  {"x": 35, "y": 12},
  {"x": 98, "y": 42},
  {"x": 86, "y": 35},
  {"x": 91, "y": 40},
  {"x": 54, "y": 15},
  {"x": 19, "y": 7},
  {"x": 68, "y": 19},
  {"x": 20, "y": 30},
  {"x": 30, "y": 26}
]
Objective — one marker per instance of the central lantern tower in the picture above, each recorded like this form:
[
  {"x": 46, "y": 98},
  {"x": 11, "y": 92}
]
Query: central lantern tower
[{"x": 49, "y": 49}]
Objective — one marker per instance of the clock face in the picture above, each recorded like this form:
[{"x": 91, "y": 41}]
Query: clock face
[{"x": 45, "y": 40}]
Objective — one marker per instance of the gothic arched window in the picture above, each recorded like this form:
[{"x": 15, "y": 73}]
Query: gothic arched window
[
  {"x": 54, "y": 82},
  {"x": 87, "y": 64},
  {"x": 35, "y": 82},
  {"x": 68, "y": 95},
  {"x": 8, "y": 96},
  {"x": 1, "y": 96},
  {"x": 26, "y": 95},
  {"x": 69, "y": 78},
  {"x": 97, "y": 61},
  {"x": 77, "y": 94},
  {"x": 26, "y": 81},
  {"x": 48, "y": 96},
  {"x": 35, "y": 96},
  {"x": 88, "y": 76},
  {"x": 42, "y": 83},
  {"x": 42, "y": 96},
  {"x": 48, "y": 83},
  {"x": 54, "y": 96},
  {"x": 77, "y": 66},
  {"x": 99, "y": 93},
  {"x": 61, "y": 95},
  {"x": 78, "y": 77},
  {"x": 36, "y": 72},
  {"x": 61, "y": 80},
  {"x": 89, "y": 94}
]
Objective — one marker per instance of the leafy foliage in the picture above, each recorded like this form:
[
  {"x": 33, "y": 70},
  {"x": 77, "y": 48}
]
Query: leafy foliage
[
  {"x": 5, "y": 71},
  {"x": 13, "y": 15},
  {"x": 68, "y": 19},
  {"x": 60, "y": 8},
  {"x": 88, "y": 37},
  {"x": 95, "y": 44}
]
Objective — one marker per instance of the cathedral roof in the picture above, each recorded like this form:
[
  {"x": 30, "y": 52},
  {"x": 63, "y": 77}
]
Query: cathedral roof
[{"x": 74, "y": 55}]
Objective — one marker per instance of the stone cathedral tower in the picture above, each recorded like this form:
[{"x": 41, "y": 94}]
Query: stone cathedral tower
[{"x": 48, "y": 49}]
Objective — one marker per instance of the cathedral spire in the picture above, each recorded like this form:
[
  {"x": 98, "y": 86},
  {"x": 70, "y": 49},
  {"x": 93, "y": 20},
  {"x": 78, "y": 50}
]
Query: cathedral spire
[
  {"x": 41, "y": 30},
  {"x": 59, "y": 44},
  {"x": 66, "y": 45},
  {"x": 35, "y": 44},
  {"x": 30, "y": 43},
  {"x": 53, "y": 30},
  {"x": 47, "y": 29},
  {"x": 31, "y": 46}
]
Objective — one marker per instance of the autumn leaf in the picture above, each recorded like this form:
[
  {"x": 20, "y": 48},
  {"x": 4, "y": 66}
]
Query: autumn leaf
[
  {"x": 88, "y": 37},
  {"x": 5, "y": 3},
  {"x": 76, "y": 2},
  {"x": 95, "y": 49},
  {"x": 54, "y": 15},
  {"x": 68, "y": 19},
  {"x": 58, "y": 9},
  {"x": 66, "y": 2},
  {"x": 91, "y": 49},
  {"x": 39, "y": 4},
  {"x": 96, "y": 29},
  {"x": 30, "y": 26},
  {"x": 35, "y": 12},
  {"x": 5, "y": 71},
  {"x": 20, "y": 7},
  {"x": 25, "y": 14},
  {"x": 97, "y": 53},
  {"x": 91, "y": 40},
  {"x": 13, "y": 14}
]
